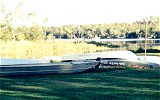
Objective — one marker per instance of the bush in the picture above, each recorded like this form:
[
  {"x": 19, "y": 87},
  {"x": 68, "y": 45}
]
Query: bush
[{"x": 141, "y": 50}]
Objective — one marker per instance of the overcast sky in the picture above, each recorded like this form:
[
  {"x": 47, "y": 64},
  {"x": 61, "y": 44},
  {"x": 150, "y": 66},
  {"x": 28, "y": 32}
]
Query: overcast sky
[{"x": 62, "y": 12}]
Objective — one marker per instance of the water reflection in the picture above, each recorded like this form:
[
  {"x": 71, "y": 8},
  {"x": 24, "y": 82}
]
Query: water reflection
[
  {"x": 8, "y": 61},
  {"x": 154, "y": 59}
]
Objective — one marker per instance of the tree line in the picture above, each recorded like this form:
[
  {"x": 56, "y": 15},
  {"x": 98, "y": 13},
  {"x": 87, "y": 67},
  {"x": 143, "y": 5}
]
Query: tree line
[
  {"x": 105, "y": 31},
  {"x": 41, "y": 32}
]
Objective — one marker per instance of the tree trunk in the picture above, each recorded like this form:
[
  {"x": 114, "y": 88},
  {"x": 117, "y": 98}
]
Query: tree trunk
[{"x": 14, "y": 37}]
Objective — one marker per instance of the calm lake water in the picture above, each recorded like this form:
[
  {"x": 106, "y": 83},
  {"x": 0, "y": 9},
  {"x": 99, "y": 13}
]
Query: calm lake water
[
  {"x": 7, "y": 61},
  {"x": 154, "y": 59}
]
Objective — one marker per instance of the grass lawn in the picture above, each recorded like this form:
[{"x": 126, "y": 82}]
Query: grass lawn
[
  {"x": 148, "y": 54},
  {"x": 98, "y": 84}
]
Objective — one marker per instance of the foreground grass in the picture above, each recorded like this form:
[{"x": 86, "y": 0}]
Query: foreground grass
[{"x": 92, "y": 85}]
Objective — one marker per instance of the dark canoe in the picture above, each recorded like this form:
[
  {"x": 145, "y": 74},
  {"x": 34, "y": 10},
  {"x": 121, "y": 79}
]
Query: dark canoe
[{"x": 46, "y": 68}]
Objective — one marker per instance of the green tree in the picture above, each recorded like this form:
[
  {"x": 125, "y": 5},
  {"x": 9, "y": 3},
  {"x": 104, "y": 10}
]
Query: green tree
[{"x": 7, "y": 31}]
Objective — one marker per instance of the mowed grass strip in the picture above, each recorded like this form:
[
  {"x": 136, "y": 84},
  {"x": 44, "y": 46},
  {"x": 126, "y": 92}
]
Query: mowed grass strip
[{"x": 116, "y": 83}]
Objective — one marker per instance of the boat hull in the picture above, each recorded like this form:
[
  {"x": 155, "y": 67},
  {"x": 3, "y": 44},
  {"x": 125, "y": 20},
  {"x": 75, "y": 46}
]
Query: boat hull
[
  {"x": 49, "y": 68},
  {"x": 106, "y": 63},
  {"x": 127, "y": 55}
]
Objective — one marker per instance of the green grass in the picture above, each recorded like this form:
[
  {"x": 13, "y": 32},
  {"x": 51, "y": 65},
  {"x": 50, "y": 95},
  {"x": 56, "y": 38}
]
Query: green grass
[
  {"x": 41, "y": 49},
  {"x": 96, "y": 84},
  {"x": 148, "y": 54}
]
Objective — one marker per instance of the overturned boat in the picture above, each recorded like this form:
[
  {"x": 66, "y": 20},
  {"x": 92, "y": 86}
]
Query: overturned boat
[
  {"x": 126, "y": 55},
  {"x": 46, "y": 68},
  {"x": 113, "y": 58}
]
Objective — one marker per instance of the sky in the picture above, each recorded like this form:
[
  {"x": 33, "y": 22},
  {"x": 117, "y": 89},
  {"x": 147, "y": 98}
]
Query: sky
[{"x": 67, "y": 12}]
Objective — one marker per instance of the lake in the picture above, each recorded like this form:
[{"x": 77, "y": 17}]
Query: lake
[
  {"x": 8, "y": 61},
  {"x": 154, "y": 59}
]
